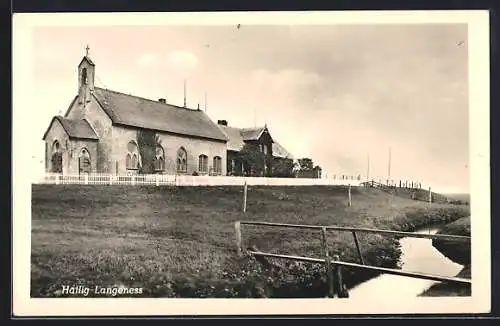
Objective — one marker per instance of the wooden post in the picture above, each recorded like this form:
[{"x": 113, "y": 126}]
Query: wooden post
[
  {"x": 237, "y": 228},
  {"x": 338, "y": 276},
  {"x": 57, "y": 179},
  {"x": 358, "y": 248},
  {"x": 110, "y": 179},
  {"x": 245, "y": 190},
  {"x": 157, "y": 180},
  {"x": 329, "y": 275},
  {"x": 430, "y": 196},
  {"x": 349, "y": 203},
  {"x": 86, "y": 178}
]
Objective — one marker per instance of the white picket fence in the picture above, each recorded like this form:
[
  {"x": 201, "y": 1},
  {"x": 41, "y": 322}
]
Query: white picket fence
[{"x": 186, "y": 180}]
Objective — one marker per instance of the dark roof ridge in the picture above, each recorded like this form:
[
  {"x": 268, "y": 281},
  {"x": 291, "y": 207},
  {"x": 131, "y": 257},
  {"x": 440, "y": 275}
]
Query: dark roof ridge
[
  {"x": 252, "y": 128},
  {"x": 242, "y": 128},
  {"x": 146, "y": 99}
]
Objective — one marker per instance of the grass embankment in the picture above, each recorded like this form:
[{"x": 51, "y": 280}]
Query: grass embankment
[
  {"x": 458, "y": 252},
  {"x": 179, "y": 242}
]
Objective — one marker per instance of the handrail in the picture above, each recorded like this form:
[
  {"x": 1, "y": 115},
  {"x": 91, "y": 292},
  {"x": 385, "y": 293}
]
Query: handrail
[
  {"x": 365, "y": 230},
  {"x": 373, "y": 268},
  {"x": 337, "y": 264}
]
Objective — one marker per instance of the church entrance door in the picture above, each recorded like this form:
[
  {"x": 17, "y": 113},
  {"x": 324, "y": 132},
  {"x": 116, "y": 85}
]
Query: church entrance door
[
  {"x": 84, "y": 164},
  {"x": 57, "y": 162}
]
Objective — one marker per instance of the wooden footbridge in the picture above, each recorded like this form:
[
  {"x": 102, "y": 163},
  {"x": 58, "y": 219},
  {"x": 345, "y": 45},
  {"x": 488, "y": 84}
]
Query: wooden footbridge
[{"x": 333, "y": 263}]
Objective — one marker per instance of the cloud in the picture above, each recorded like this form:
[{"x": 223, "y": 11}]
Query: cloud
[
  {"x": 291, "y": 84},
  {"x": 148, "y": 60},
  {"x": 182, "y": 60},
  {"x": 178, "y": 61}
]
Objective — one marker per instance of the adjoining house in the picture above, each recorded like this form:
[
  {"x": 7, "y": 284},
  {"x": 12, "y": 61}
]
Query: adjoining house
[
  {"x": 261, "y": 138},
  {"x": 104, "y": 131}
]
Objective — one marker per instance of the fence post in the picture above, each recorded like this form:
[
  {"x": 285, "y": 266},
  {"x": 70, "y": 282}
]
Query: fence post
[
  {"x": 86, "y": 178},
  {"x": 349, "y": 202},
  {"x": 57, "y": 179},
  {"x": 110, "y": 179},
  {"x": 329, "y": 275},
  {"x": 245, "y": 190},
  {"x": 133, "y": 180},
  {"x": 157, "y": 180},
  {"x": 341, "y": 293},
  {"x": 358, "y": 248},
  {"x": 237, "y": 227},
  {"x": 430, "y": 196}
]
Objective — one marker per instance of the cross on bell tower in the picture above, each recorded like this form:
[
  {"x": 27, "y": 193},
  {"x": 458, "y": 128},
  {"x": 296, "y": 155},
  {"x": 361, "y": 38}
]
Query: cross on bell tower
[{"x": 86, "y": 73}]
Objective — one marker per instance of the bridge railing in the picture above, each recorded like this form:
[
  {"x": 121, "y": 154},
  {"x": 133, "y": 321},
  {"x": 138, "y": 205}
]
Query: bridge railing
[{"x": 334, "y": 264}]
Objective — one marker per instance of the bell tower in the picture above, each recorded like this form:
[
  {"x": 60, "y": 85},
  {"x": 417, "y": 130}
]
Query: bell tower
[{"x": 86, "y": 74}]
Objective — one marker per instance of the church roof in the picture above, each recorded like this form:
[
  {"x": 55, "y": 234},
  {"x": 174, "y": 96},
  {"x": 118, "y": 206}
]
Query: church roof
[
  {"x": 75, "y": 128},
  {"x": 238, "y": 136},
  {"x": 87, "y": 58},
  {"x": 139, "y": 112}
]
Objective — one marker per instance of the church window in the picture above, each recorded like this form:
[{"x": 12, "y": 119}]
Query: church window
[
  {"x": 56, "y": 157},
  {"x": 84, "y": 76},
  {"x": 84, "y": 161},
  {"x": 132, "y": 158},
  {"x": 203, "y": 163},
  {"x": 159, "y": 158},
  {"x": 181, "y": 160},
  {"x": 217, "y": 165},
  {"x": 128, "y": 162},
  {"x": 265, "y": 149}
]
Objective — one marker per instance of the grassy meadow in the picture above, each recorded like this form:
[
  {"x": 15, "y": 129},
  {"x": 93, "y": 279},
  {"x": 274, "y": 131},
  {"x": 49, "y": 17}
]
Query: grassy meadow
[{"x": 180, "y": 241}]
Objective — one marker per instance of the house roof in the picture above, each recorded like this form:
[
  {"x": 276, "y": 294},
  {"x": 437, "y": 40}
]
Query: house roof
[
  {"x": 75, "y": 128},
  {"x": 280, "y": 151},
  {"x": 252, "y": 133},
  {"x": 140, "y": 112},
  {"x": 235, "y": 138},
  {"x": 238, "y": 136}
]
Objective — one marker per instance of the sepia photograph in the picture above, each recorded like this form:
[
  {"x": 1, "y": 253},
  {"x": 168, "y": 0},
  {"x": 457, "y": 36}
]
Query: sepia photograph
[{"x": 337, "y": 159}]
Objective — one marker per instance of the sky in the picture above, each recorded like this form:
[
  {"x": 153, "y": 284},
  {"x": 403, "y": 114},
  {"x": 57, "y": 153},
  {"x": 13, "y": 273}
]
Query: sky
[{"x": 339, "y": 94}]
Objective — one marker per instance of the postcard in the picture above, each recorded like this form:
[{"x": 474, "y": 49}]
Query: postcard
[{"x": 256, "y": 163}]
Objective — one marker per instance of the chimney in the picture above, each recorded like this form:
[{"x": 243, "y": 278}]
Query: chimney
[
  {"x": 222, "y": 122},
  {"x": 162, "y": 100}
]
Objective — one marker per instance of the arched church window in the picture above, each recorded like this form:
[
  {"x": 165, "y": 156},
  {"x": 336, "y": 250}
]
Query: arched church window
[
  {"x": 203, "y": 163},
  {"x": 132, "y": 158},
  {"x": 134, "y": 162},
  {"x": 84, "y": 76},
  {"x": 159, "y": 158},
  {"x": 84, "y": 161},
  {"x": 128, "y": 161},
  {"x": 56, "y": 147},
  {"x": 181, "y": 160},
  {"x": 217, "y": 165},
  {"x": 56, "y": 157}
]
